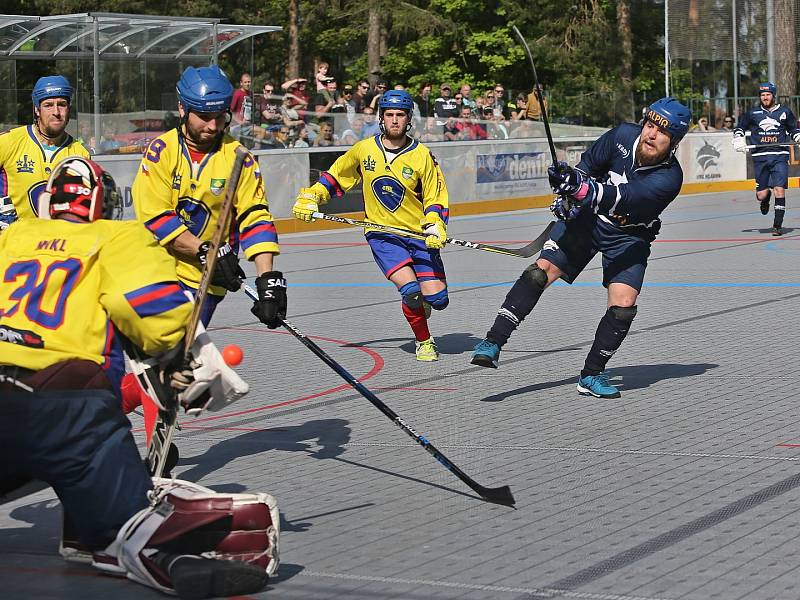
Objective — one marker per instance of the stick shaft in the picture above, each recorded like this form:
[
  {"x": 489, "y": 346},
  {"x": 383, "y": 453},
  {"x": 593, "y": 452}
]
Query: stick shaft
[{"x": 486, "y": 493}]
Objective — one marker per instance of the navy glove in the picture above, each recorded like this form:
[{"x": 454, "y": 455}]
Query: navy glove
[
  {"x": 227, "y": 272},
  {"x": 270, "y": 308},
  {"x": 564, "y": 179},
  {"x": 567, "y": 208}
]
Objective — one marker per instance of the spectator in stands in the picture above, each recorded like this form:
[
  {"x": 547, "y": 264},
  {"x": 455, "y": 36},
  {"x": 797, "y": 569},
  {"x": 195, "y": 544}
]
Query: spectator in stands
[
  {"x": 371, "y": 126},
  {"x": 499, "y": 105},
  {"x": 496, "y": 128},
  {"x": 302, "y": 138},
  {"x": 268, "y": 107},
  {"x": 291, "y": 117},
  {"x": 451, "y": 129},
  {"x": 326, "y": 136},
  {"x": 325, "y": 99},
  {"x": 347, "y": 99},
  {"x": 431, "y": 132},
  {"x": 701, "y": 126},
  {"x": 321, "y": 76},
  {"x": 355, "y": 133},
  {"x": 296, "y": 89},
  {"x": 108, "y": 142},
  {"x": 359, "y": 100},
  {"x": 727, "y": 123},
  {"x": 242, "y": 103},
  {"x": 533, "y": 109},
  {"x": 520, "y": 108},
  {"x": 460, "y": 102},
  {"x": 445, "y": 106},
  {"x": 372, "y": 100},
  {"x": 424, "y": 101},
  {"x": 466, "y": 97},
  {"x": 469, "y": 129}
]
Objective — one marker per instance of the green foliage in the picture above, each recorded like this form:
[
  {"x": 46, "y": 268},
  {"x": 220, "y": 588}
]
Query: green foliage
[{"x": 574, "y": 43}]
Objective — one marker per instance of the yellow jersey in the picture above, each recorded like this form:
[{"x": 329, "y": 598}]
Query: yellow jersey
[
  {"x": 25, "y": 166},
  {"x": 398, "y": 188},
  {"x": 173, "y": 194},
  {"x": 66, "y": 286}
]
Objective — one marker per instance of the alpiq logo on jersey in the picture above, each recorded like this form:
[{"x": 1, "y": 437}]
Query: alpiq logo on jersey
[{"x": 518, "y": 166}]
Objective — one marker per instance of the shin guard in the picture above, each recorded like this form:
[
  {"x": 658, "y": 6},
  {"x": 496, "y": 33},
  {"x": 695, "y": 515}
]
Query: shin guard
[
  {"x": 611, "y": 331},
  {"x": 519, "y": 302}
]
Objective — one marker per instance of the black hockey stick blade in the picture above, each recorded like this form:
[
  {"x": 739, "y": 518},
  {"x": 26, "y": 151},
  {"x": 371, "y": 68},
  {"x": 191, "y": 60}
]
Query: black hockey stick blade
[
  {"x": 501, "y": 495},
  {"x": 524, "y": 252}
]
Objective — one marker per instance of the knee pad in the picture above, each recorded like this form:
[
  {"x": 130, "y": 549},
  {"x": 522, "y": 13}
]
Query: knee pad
[
  {"x": 535, "y": 276},
  {"x": 625, "y": 314},
  {"x": 439, "y": 300},
  {"x": 412, "y": 295}
]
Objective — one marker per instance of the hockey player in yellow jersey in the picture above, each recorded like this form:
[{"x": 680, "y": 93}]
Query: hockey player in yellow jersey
[
  {"x": 179, "y": 188},
  {"x": 68, "y": 285},
  {"x": 28, "y": 153},
  {"x": 403, "y": 186}
]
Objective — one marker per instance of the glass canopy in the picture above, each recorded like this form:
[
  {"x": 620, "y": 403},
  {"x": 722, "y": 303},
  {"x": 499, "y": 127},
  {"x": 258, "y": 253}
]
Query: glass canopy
[{"x": 119, "y": 37}]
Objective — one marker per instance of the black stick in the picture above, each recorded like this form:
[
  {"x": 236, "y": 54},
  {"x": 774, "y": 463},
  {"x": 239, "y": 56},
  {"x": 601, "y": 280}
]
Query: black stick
[
  {"x": 524, "y": 252},
  {"x": 537, "y": 89},
  {"x": 500, "y": 495}
]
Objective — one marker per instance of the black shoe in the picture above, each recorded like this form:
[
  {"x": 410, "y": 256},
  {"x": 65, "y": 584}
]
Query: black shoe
[
  {"x": 195, "y": 578},
  {"x": 777, "y": 231},
  {"x": 764, "y": 206}
]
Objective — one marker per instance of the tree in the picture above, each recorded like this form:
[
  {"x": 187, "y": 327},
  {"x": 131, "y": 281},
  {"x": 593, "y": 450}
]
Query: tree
[{"x": 786, "y": 47}]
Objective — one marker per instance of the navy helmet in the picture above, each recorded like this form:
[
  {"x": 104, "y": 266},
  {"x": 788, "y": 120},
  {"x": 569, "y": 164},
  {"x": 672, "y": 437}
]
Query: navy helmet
[
  {"x": 671, "y": 116},
  {"x": 768, "y": 86},
  {"x": 396, "y": 99},
  {"x": 205, "y": 90},
  {"x": 51, "y": 86}
]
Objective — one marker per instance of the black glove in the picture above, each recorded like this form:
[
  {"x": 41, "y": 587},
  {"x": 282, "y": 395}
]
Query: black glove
[
  {"x": 270, "y": 308},
  {"x": 227, "y": 272},
  {"x": 564, "y": 179}
]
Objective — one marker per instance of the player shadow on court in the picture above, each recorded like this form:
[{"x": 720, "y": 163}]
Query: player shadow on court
[
  {"x": 786, "y": 230},
  {"x": 630, "y": 378},
  {"x": 43, "y": 537},
  {"x": 448, "y": 343},
  {"x": 329, "y": 434}
]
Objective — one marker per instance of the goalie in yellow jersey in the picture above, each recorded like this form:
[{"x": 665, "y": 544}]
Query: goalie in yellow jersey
[{"x": 403, "y": 186}]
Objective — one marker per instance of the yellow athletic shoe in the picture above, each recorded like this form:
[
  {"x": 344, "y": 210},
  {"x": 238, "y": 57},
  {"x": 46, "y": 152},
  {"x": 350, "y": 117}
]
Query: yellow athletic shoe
[{"x": 426, "y": 351}]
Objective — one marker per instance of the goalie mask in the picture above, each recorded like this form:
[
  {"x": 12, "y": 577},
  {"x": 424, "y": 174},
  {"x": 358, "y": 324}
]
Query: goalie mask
[{"x": 79, "y": 187}]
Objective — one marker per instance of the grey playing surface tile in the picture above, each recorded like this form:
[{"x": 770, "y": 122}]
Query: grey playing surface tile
[{"x": 682, "y": 489}]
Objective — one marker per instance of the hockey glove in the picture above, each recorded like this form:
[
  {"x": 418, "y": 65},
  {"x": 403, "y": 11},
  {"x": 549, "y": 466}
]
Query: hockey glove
[
  {"x": 227, "y": 272},
  {"x": 564, "y": 179},
  {"x": 566, "y": 208},
  {"x": 8, "y": 213},
  {"x": 739, "y": 144},
  {"x": 270, "y": 308},
  {"x": 179, "y": 374},
  {"x": 433, "y": 226},
  {"x": 307, "y": 203}
]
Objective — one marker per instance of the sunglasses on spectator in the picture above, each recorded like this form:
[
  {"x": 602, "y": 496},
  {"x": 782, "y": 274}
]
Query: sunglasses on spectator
[
  {"x": 364, "y": 86},
  {"x": 459, "y": 98},
  {"x": 269, "y": 90},
  {"x": 381, "y": 85},
  {"x": 728, "y": 121}
]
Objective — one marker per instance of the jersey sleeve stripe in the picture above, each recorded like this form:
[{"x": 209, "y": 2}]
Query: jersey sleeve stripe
[
  {"x": 164, "y": 224},
  {"x": 156, "y": 298},
  {"x": 330, "y": 184},
  {"x": 443, "y": 212},
  {"x": 258, "y": 233}
]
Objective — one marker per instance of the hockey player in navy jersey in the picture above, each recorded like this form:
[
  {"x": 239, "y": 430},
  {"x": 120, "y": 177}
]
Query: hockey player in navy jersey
[
  {"x": 771, "y": 127},
  {"x": 609, "y": 203}
]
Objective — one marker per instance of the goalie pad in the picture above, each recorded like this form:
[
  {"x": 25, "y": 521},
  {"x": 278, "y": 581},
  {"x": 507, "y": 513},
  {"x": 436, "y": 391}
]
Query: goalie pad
[
  {"x": 185, "y": 518},
  {"x": 215, "y": 384}
]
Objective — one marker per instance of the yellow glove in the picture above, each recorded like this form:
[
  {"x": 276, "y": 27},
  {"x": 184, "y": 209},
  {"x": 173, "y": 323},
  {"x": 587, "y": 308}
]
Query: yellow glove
[
  {"x": 307, "y": 203},
  {"x": 435, "y": 229}
]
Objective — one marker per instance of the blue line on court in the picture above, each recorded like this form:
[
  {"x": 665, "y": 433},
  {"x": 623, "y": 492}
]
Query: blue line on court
[{"x": 654, "y": 284}]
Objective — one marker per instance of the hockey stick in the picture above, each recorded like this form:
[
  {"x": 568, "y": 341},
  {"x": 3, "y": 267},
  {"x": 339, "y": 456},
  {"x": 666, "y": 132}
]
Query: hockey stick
[
  {"x": 500, "y": 495},
  {"x": 525, "y": 252},
  {"x": 166, "y": 424}
]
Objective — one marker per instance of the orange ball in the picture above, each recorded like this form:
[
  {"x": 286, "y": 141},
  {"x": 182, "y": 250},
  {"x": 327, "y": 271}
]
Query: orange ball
[{"x": 232, "y": 355}]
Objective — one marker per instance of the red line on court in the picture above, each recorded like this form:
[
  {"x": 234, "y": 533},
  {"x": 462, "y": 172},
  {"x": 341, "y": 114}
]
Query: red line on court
[
  {"x": 377, "y": 366},
  {"x": 787, "y": 445}
]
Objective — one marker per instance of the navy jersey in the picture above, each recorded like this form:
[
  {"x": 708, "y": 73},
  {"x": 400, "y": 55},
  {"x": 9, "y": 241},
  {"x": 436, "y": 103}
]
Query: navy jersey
[
  {"x": 767, "y": 127},
  {"x": 629, "y": 196}
]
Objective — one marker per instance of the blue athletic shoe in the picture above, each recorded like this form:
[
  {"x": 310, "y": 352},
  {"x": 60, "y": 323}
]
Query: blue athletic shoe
[
  {"x": 597, "y": 386},
  {"x": 486, "y": 354}
]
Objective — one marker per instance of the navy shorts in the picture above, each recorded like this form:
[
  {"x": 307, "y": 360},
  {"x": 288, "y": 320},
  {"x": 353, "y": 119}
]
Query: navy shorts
[
  {"x": 771, "y": 171},
  {"x": 80, "y": 443},
  {"x": 393, "y": 252},
  {"x": 572, "y": 245}
]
